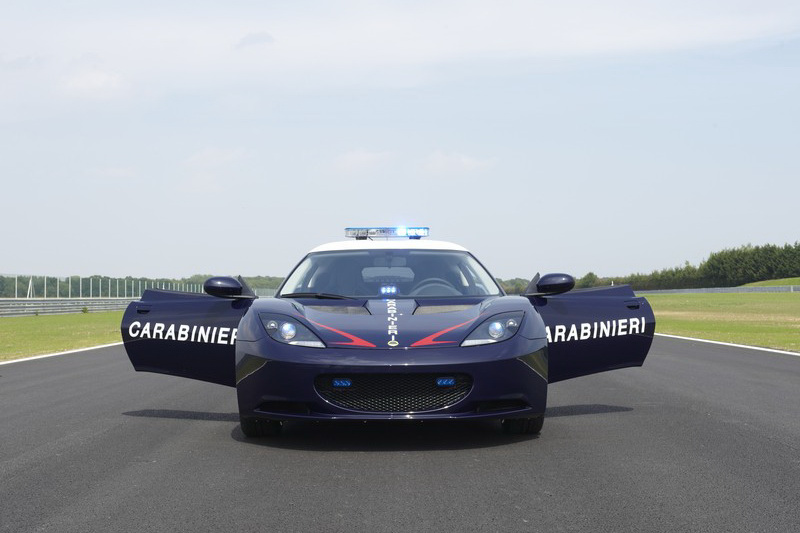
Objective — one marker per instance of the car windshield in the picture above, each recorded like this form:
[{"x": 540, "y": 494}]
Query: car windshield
[{"x": 391, "y": 273}]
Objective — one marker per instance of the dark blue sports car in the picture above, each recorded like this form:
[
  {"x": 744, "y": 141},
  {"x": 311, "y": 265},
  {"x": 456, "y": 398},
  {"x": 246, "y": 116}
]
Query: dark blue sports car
[{"x": 389, "y": 326}]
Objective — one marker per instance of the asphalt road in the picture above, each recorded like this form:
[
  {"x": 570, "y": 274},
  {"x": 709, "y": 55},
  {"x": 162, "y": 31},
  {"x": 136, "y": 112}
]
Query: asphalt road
[{"x": 702, "y": 438}]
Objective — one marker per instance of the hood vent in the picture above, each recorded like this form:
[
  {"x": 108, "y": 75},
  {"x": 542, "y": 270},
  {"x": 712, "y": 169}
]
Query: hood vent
[
  {"x": 340, "y": 309},
  {"x": 434, "y": 309}
]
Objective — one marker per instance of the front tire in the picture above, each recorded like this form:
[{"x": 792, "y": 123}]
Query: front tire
[
  {"x": 254, "y": 428},
  {"x": 523, "y": 426}
]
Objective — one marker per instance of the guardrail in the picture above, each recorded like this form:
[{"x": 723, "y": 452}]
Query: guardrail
[
  {"x": 57, "y": 306},
  {"x": 781, "y": 288}
]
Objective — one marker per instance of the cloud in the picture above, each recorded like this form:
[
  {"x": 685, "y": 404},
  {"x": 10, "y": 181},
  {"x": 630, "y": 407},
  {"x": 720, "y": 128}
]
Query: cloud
[
  {"x": 20, "y": 62},
  {"x": 214, "y": 158},
  {"x": 257, "y": 38},
  {"x": 94, "y": 82},
  {"x": 358, "y": 44},
  {"x": 210, "y": 170},
  {"x": 115, "y": 173},
  {"x": 440, "y": 162},
  {"x": 358, "y": 161}
]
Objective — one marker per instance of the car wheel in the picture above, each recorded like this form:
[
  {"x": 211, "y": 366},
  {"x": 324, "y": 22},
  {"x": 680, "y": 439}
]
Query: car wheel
[
  {"x": 523, "y": 426},
  {"x": 257, "y": 427}
]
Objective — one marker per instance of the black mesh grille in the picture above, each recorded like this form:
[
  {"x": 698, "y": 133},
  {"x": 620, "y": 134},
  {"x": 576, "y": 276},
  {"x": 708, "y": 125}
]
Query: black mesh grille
[{"x": 393, "y": 393}]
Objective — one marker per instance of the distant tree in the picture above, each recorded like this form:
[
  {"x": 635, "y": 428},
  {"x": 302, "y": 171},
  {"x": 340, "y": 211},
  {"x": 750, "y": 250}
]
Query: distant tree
[
  {"x": 589, "y": 280},
  {"x": 514, "y": 286}
]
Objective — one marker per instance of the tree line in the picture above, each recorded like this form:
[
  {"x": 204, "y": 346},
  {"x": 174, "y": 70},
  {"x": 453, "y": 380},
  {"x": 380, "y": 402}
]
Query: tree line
[{"x": 727, "y": 268}]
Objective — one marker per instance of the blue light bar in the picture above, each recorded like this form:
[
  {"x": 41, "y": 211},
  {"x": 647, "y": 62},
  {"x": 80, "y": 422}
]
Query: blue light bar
[
  {"x": 414, "y": 232},
  {"x": 389, "y": 289},
  {"x": 446, "y": 382},
  {"x": 342, "y": 383}
]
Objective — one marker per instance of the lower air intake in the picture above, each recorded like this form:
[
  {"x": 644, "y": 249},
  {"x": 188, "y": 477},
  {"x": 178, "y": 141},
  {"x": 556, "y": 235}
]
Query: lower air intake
[{"x": 393, "y": 393}]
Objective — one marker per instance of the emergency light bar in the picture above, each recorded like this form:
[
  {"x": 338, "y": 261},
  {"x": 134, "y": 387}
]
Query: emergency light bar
[{"x": 391, "y": 231}]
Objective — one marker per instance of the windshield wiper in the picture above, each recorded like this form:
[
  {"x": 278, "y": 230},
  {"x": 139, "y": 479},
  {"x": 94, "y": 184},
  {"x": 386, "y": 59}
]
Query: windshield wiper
[{"x": 320, "y": 295}]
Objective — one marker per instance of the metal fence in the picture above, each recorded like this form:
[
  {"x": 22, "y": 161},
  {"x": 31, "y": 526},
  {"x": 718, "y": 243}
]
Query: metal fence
[
  {"x": 781, "y": 288},
  {"x": 56, "y": 306},
  {"x": 46, "y": 287},
  {"x": 111, "y": 294}
]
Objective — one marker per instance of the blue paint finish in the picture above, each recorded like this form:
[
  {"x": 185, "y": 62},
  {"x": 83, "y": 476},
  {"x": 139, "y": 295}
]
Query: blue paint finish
[
  {"x": 595, "y": 330},
  {"x": 498, "y": 376},
  {"x": 195, "y": 340},
  {"x": 223, "y": 341}
]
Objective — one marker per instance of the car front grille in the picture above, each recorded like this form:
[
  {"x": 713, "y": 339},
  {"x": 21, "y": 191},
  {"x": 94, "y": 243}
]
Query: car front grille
[{"x": 393, "y": 393}]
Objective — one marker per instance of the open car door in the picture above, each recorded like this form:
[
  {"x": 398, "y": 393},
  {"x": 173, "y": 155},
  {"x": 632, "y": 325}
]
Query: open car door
[
  {"x": 184, "y": 334},
  {"x": 595, "y": 330}
]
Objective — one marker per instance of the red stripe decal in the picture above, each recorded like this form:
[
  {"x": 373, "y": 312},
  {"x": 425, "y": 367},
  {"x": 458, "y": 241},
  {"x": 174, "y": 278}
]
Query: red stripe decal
[
  {"x": 354, "y": 341},
  {"x": 431, "y": 339}
]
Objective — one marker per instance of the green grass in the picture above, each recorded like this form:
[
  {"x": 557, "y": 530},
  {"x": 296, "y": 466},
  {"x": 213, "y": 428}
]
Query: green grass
[
  {"x": 774, "y": 282},
  {"x": 34, "y": 335},
  {"x": 770, "y": 320}
]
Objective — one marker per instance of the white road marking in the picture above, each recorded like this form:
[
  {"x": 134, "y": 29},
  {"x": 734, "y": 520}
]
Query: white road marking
[
  {"x": 729, "y": 344},
  {"x": 59, "y": 353},
  {"x": 770, "y": 350}
]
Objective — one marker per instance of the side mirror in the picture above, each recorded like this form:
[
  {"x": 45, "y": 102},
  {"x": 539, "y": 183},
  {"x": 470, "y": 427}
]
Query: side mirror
[
  {"x": 223, "y": 287},
  {"x": 552, "y": 284}
]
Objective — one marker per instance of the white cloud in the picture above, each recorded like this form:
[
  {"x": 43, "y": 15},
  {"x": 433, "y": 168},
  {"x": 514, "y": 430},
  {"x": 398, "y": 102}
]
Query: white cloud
[
  {"x": 252, "y": 39},
  {"x": 353, "y": 43},
  {"x": 213, "y": 158},
  {"x": 440, "y": 162},
  {"x": 94, "y": 83},
  {"x": 210, "y": 169},
  {"x": 359, "y": 161},
  {"x": 20, "y": 62},
  {"x": 115, "y": 173}
]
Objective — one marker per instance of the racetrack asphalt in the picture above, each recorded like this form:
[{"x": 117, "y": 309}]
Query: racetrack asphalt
[{"x": 702, "y": 438}]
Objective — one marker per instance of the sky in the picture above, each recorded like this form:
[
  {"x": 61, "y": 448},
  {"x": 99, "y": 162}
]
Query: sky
[{"x": 175, "y": 138}]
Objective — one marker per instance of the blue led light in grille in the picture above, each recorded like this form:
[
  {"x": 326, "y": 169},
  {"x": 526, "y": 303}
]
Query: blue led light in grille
[
  {"x": 445, "y": 382},
  {"x": 342, "y": 383}
]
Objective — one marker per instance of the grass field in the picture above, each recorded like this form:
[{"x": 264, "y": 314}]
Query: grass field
[
  {"x": 770, "y": 320},
  {"x": 34, "y": 335},
  {"x": 774, "y": 282}
]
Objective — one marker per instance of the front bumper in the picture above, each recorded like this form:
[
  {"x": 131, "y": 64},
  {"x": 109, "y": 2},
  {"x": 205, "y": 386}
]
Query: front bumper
[{"x": 280, "y": 382}]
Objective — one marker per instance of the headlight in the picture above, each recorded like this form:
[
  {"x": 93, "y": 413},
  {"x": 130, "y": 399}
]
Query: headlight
[
  {"x": 495, "y": 329},
  {"x": 289, "y": 331}
]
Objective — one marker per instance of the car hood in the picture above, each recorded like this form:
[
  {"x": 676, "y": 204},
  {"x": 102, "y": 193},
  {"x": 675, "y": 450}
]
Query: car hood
[{"x": 393, "y": 323}]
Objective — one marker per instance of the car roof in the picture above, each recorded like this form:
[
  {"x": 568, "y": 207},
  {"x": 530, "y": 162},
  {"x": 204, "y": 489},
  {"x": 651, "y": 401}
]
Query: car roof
[{"x": 388, "y": 244}]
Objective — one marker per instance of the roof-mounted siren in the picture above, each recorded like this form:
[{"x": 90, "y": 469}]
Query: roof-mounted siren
[{"x": 361, "y": 234}]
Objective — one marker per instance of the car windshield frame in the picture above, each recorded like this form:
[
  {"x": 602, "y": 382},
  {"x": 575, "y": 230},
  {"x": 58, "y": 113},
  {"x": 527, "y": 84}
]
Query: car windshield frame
[{"x": 459, "y": 274}]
